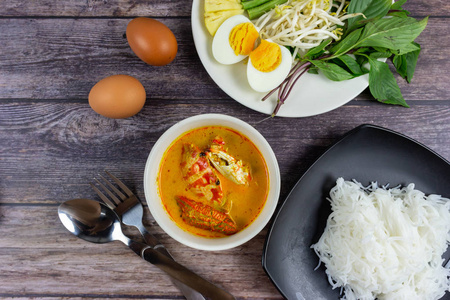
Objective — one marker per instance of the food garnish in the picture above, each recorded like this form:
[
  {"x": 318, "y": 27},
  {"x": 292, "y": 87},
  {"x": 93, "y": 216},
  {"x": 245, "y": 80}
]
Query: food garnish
[
  {"x": 371, "y": 30},
  {"x": 242, "y": 38},
  {"x": 385, "y": 243},
  {"x": 204, "y": 216},
  {"x": 256, "y": 8},
  {"x": 217, "y": 11},
  {"x": 224, "y": 42},
  {"x": 199, "y": 175},
  {"x": 268, "y": 66},
  {"x": 266, "y": 57},
  {"x": 269, "y": 63},
  {"x": 227, "y": 165},
  {"x": 304, "y": 24},
  {"x": 342, "y": 40}
]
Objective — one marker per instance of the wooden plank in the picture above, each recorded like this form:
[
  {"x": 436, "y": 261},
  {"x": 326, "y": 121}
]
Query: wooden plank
[
  {"x": 131, "y": 8},
  {"x": 96, "y": 8},
  {"x": 63, "y": 58},
  {"x": 50, "y": 151},
  {"x": 49, "y": 261}
]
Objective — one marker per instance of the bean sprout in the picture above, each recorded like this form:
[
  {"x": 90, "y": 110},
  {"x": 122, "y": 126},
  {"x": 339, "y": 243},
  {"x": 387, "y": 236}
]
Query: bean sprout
[{"x": 304, "y": 24}]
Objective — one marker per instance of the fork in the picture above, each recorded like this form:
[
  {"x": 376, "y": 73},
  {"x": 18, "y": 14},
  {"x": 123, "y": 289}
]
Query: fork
[{"x": 130, "y": 212}]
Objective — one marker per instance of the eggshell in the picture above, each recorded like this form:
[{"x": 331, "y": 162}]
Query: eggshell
[
  {"x": 117, "y": 96},
  {"x": 152, "y": 41}
]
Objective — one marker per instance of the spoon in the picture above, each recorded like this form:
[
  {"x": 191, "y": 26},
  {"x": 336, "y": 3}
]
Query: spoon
[{"x": 96, "y": 223}]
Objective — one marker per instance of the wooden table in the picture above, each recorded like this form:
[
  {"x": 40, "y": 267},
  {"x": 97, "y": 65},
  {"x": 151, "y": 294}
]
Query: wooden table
[{"x": 53, "y": 143}]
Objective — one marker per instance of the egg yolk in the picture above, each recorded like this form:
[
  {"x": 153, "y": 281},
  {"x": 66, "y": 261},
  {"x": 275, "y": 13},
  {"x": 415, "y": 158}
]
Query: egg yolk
[
  {"x": 266, "y": 57},
  {"x": 242, "y": 38}
]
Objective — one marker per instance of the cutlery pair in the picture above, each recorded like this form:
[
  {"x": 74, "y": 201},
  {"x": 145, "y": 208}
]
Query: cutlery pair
[
  {"x": 95, "y": 222},
  {"x": 130, "y": 212}
]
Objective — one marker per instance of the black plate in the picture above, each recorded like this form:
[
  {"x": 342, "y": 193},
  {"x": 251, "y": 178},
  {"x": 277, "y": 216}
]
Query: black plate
[{"x": 367, "y": 153}]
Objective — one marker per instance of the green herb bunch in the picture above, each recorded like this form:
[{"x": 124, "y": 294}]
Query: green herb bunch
[{"x": 382, "y": 30}]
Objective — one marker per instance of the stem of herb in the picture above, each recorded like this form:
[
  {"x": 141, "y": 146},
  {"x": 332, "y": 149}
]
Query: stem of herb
[
  {"x": 289, "y": 88},
  {"x": 285, "y": 88},
  {"x": 285, "y": 80},
  {"x": 291, "y": 81}
]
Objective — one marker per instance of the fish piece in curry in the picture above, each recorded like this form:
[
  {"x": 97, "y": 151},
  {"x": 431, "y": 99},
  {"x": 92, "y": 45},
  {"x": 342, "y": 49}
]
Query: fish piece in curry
[
  {"x": 231, "y": 168},
  {"x": 206, "y": 217}
]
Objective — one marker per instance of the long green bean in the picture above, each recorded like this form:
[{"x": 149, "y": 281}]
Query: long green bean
[
  {"x": 253, "y": 3},
  {"x": 258, "y": 11}
]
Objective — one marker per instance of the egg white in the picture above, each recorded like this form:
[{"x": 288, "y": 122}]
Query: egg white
[
  {"x": 266, "y": 81},
  {"x": 221, "y": 48}
]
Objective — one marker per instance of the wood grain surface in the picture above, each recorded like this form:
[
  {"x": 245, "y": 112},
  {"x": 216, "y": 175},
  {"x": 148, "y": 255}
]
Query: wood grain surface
[{"x": 52, "y": 144}]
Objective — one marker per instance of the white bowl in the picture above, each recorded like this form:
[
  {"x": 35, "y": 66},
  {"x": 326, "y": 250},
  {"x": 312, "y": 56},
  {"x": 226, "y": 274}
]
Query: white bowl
[{"x": 154, "y": 200}]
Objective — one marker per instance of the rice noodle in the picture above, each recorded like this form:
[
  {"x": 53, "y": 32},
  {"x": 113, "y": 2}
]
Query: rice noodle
[{"x": 386, "y": 243}]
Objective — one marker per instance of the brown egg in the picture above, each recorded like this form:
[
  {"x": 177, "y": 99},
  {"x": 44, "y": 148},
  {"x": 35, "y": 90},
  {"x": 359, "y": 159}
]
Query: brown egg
[
  {"x": 117, "y": 96},
  {"x": 152, "y": 41}
]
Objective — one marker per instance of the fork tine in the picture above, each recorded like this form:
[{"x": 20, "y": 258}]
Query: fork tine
[
  {"x": 120, "y": 183},
  {"x": 113, "y": 197},
  {"x": 103, "y": 197},
  {"x": 116, "y": 190}
]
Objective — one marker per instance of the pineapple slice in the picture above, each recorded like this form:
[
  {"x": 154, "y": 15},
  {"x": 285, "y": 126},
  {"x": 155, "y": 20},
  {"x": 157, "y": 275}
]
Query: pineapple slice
[
  {"x": 217, "y": 11},
  {"x": 213, "y": 20},
  {"x": 219, "y": 5}
]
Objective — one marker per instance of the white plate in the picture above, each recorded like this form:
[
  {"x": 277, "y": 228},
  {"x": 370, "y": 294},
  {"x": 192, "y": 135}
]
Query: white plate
[{"x": 312, "y": 95}]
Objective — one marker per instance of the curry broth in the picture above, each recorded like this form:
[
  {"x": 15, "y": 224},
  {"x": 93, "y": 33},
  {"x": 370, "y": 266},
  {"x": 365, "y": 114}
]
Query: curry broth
[{"x": 247, "y": 201}]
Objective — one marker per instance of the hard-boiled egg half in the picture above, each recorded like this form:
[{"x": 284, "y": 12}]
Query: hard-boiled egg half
[
  {"x": 269, "y": 63},
  {"x": 234, "y": 40}
]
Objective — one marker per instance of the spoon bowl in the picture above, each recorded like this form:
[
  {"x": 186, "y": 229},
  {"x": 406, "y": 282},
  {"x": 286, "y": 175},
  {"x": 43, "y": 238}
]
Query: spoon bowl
[{"x": 89, "y": 220}]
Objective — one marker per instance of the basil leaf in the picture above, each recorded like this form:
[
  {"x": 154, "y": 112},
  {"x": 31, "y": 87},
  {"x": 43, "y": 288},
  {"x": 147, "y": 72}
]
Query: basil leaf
[
  {"x": 370, "y": 8},
  {"x": 332, "y": 71},
  {"x": 397, "y": 10},
  {"x": 351, "y": 64},
  {"x": 382, "y": 84},
  {"x": 362, "y": 60},
  {"x": 358, "y": 6},
  {"x": 361, "y": 51},
  {"x": 398, "y": 4},
  {"x": 391, "y": 33},
  {"x": 407, "y": 48},
  {"x": 406, "y": 64},
  {"x": 381, "y": 53},
  {"x": 313, "y": 70},
  {"x": 400, "y": 64},
  {"x": 399, "y": 13},
  {"x": 318, "y": 50},
  {"x": 347, "y": 43}
]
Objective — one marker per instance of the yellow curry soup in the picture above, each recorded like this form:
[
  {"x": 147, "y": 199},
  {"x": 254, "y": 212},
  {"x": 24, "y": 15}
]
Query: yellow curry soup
[{"x": 219, "y": 205}]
